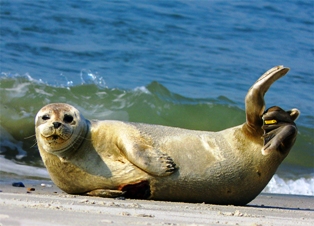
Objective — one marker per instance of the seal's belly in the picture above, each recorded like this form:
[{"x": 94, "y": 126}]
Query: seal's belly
[
  {"x": 194, "y": 152},
  {"x": 210, "y": 165}
]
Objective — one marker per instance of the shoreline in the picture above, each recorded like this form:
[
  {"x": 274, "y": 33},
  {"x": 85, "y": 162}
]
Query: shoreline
[{"x": 47, "y": 205}]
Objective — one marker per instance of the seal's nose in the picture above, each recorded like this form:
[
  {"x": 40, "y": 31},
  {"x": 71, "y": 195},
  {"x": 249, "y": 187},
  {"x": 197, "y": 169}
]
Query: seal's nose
[{"x": 56, "y": 125}]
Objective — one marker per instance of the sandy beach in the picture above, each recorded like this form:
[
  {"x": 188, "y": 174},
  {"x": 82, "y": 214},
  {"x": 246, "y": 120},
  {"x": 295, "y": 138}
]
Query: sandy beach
[{"x": 42, "y": 203}]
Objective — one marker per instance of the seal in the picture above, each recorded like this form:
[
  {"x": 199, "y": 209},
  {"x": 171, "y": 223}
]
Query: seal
[{"x": 134, "y": 160}]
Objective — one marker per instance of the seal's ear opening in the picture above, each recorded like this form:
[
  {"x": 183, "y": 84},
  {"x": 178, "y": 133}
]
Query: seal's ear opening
[{"x": 280, "y": 130}]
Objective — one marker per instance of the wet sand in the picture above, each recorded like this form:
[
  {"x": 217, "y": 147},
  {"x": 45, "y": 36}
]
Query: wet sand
[{"x": 47, "y": 205}]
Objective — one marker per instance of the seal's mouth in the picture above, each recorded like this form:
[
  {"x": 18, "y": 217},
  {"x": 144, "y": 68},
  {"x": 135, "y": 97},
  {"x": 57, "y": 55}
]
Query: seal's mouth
[
  {"x": 53, "y": 139},
  {"x": 56, "y": 136},
  {"x": 57, "y": 145}
]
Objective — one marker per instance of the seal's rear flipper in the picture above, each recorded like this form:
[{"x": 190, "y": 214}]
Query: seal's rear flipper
[
  {"x": 254, "y": 101},
  {"x": 280, "y": 130}
]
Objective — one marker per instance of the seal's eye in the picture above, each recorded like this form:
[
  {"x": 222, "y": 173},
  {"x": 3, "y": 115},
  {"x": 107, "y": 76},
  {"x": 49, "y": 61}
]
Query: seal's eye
[
  {"x": 68, "y": 118},
  {"x": 45, "y": 117}
]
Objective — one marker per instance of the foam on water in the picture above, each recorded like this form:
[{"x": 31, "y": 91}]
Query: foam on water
[
  {"x": 10, "y": 167},
  {"x": 300, "y": 186}
]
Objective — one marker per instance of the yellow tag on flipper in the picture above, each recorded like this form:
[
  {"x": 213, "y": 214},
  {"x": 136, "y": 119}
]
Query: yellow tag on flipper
[{"x": 273, "y": 121}]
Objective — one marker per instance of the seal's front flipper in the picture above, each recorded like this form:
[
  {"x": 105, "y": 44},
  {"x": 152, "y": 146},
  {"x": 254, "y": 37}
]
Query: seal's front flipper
[
  {"x": 152, "y": 161},
  {"x": 106, "y": 193},
  {"x": 139, "y": 149},
  {"x": 280, "y": 130}
]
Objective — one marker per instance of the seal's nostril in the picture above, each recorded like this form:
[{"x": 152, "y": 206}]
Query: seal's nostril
[{"x": 56, "y": 125}]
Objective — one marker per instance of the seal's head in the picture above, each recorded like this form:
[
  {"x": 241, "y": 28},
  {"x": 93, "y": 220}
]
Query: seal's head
[
  {"x": 60, "y": 128},
  {"x": 280, "y": 131}
]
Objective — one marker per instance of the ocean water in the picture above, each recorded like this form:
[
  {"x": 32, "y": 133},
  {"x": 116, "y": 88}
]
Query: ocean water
[{"x": 177, "y": 63}]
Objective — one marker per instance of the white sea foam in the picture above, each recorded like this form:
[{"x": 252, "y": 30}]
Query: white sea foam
[
  {"x": 89, "y": 77},
  {"x": 142, "y": 89},
  {"x": 22, "y": 170},
  {"x": 300, "y": 186}
]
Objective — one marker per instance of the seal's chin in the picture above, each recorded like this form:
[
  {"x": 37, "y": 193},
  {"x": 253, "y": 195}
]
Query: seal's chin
[{"x": 55, "y": 144}]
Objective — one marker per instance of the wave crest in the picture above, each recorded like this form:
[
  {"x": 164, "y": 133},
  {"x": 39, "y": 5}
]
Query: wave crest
[{"x": 300, "y": 186}]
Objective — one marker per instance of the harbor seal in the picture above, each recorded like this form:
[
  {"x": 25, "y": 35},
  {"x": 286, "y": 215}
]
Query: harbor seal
[{"x": 135, "y": 160}]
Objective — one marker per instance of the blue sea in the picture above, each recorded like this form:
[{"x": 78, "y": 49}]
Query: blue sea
[{"x": 178, "y": 63}]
